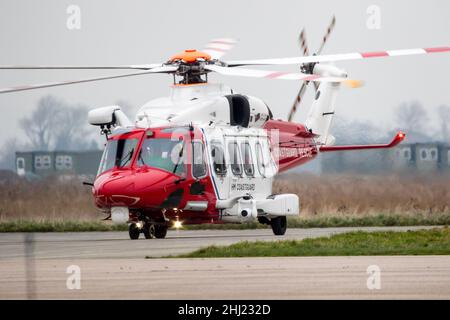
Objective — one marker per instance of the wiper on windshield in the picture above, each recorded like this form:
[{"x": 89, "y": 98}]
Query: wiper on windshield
[
  {"x": 180, "y": 155},
  {"x": 126, "y": 158},
  {"x": 141, "y": 158}
]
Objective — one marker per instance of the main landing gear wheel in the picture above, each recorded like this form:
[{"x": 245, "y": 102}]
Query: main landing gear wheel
[
  {"x": 279, "y": 225},
  {"x": 149, "y": 231},
  {"x": 160, "y": 231},
  {"x": 134, "y": 231}
]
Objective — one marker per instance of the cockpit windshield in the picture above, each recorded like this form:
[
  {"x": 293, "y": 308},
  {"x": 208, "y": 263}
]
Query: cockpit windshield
[
  {"x": 118, "y": 153},
  {"x": 162, "y": 153}
]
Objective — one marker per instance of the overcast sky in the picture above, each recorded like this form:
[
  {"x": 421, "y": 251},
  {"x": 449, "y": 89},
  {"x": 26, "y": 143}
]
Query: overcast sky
[{"x": 137, "y": 32}]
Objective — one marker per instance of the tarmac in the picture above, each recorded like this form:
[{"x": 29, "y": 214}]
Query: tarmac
[{"x": 108, "y": 265}]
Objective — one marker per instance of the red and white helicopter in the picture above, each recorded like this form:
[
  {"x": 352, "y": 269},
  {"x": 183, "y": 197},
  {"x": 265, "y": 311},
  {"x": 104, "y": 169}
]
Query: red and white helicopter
[{"x": 207, "y": 154}]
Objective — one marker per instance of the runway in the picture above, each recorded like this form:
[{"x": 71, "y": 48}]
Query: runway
[
  {"x": 86, "y": 245},
  {"x": 112, "y": 266}
]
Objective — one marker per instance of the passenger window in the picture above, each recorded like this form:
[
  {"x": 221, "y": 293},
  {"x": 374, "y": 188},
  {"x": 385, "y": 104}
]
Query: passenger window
[
  {"x": 198, "y": 160},
  {"x": 260, "y": 159},
  {"x": 235, "y": 158},
  {"x": 219, "y": 164},
  {"x": 248, "y": 161}
]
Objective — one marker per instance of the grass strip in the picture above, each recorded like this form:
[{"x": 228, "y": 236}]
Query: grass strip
[
  {"x": 330, "y": 221},
  {"x": 321, "y": 221},
  {"x": 421, "y": 242},
  {"x": 58, "y": 226}
]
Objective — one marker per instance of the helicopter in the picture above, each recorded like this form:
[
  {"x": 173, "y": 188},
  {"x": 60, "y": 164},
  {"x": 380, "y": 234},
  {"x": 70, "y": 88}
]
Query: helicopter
[{"x": 207, "y": 154}]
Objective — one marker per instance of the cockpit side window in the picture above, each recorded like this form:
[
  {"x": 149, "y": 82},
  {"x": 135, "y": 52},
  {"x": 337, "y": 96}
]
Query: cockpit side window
[
  {"x": 163, "y": 153},
  {"x": 198, "y": 160},
  {"x": 118, "y": 153},
  {"x": 218, "y": 156},
  {"x": 125, "y": 151}
]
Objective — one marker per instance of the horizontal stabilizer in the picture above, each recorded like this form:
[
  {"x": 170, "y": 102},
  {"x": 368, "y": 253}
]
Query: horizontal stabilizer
[{"x": 397, "y": 139}]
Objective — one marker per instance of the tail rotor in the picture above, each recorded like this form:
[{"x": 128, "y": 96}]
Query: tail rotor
[{"x": 308, "y": 68}]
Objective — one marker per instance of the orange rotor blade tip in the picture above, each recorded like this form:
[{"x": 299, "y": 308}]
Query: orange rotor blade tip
[{"x": 354, "y": 83}]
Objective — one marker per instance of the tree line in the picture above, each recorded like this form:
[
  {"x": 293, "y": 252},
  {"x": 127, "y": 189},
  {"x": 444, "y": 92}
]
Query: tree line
[
  {"x": 57, "y": 125},
  {"x": 52, "y": 125}
]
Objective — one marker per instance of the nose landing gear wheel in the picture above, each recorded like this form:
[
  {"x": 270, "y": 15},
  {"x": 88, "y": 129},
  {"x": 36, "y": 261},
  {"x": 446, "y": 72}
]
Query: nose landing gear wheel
[
  {"x": 160, "y": 231},
  {"x": 134, "y": 231},
  {"x": 279, "y": 225},
  {"x": 149, "y": 231}
]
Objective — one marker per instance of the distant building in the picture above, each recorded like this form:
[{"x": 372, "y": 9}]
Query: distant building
[
  {"x": 422, "y": 157},
  {"x": 417, "y": 157},
  {"x": 44, "y": 163},
  {"x": 358, "y": 161},
  {"x": 403, "y": 157}
]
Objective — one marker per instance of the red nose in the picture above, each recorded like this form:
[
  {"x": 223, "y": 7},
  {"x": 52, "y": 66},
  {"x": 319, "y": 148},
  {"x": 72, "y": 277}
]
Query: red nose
[
  {"x": 115, "y": 190},
  {"x": 152, "y": 188}
]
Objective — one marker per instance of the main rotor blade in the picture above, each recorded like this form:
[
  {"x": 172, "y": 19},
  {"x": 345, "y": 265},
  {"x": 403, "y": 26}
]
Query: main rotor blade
[
  {"x": 316, "y": 86},
  {"x": 327, "y": 35},
  {"x": 217, "y": 48},
  {"x": 164, "y": 69},
  {"x": 304, "y": 47},
  {"x": 337, "y": 57},
  {"x": 67, "y": 67},
  {"x": 302, "y": 43},
  {"x": 305, "y": 50},
  {"x": 298, "y": 100},
  {"x": 324, "y": 40},
  {"x": 273, "y": 74}
]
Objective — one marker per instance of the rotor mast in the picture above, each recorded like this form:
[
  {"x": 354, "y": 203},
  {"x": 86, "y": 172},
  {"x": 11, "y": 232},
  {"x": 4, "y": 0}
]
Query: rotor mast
[{"x": 191, "y": 65}]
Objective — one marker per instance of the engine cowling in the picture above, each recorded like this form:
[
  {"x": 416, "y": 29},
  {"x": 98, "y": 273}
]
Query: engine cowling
[{"x": 248, "y": 111}]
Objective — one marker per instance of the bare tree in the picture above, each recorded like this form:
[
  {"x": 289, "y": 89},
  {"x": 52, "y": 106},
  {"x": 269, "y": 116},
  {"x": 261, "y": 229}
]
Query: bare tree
[
  {"x": 355, "y": 131},
  {"x": 54, "y": 124},
  {"x": 40, "y": 125},
  {"x": 444, "y": 118},
  {"x": 8, "y": 154},
  {"x": 71, "y": 128},
  {"x": 413, "y": 118}
]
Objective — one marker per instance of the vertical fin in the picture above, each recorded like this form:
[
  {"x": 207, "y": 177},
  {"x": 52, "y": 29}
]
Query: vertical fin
[{"x": 322, "y": 111}]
